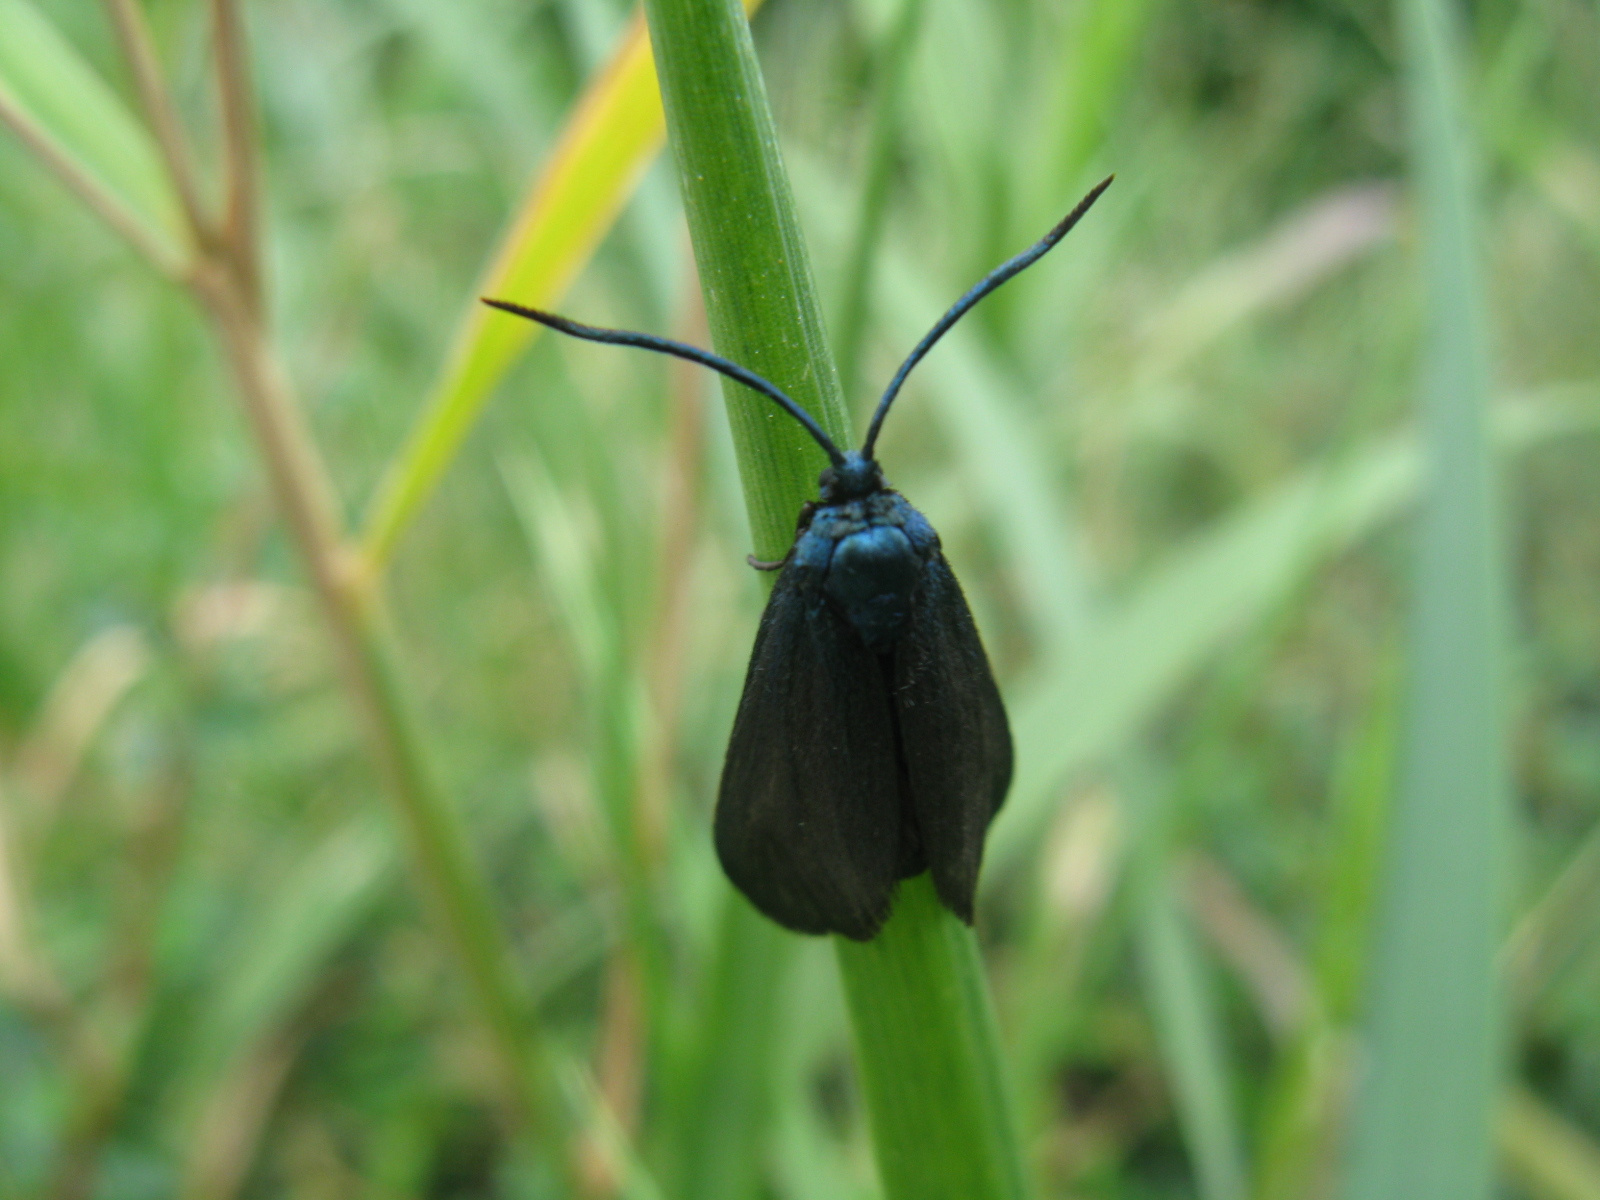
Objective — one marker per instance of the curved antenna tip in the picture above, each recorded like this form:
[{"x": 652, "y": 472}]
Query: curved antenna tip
[{"x": 1006, "y": 270}]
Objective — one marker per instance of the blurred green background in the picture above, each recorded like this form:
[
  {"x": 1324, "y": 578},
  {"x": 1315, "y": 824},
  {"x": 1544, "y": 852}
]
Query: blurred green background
[{"x": 1174, "y": 466}]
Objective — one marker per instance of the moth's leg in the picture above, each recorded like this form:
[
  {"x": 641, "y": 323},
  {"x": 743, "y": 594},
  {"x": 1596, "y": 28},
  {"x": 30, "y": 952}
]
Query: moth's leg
[{"x": 807, "y": 511}]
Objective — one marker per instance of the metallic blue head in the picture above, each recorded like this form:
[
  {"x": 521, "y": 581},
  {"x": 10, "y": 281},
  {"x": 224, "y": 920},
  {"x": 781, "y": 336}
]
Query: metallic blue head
[{"x": 853, "y": 477}]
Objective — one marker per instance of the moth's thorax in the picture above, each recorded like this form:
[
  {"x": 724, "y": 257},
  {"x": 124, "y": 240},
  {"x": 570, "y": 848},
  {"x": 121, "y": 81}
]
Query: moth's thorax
[{"x": 867, "y": 556}]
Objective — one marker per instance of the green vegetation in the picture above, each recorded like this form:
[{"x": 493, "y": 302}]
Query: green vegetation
[{"x": 365, "y": 852}]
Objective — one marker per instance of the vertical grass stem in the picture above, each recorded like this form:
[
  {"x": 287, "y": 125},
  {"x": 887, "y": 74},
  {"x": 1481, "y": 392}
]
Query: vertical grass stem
[{"x": 924, "y": 1035}]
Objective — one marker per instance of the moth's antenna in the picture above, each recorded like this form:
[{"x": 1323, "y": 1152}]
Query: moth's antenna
[
  {"x": 661, "y": 345},
  {"x": 981, "y": 289}
]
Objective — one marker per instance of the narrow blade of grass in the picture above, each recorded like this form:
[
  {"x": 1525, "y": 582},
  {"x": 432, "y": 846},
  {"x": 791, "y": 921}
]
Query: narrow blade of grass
[
  {"x": 281, "y": 955},
  {"x": 612, "y": 137},
  {"x": 716, "y": 1104},
  {"x": 760, "y": 298},
  {"x": 763, "y": 313},
  {"x": 1184, "y": 1011},
  {"x": 1099, "y": 51},
  {"x": 855, "y": 294},
  {"x": 1421, "y": 1129}
]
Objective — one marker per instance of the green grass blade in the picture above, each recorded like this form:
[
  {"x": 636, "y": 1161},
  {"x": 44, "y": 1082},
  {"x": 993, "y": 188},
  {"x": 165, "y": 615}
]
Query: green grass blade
[
  {"x": 1421, "y": 1130},
  {"x": 61, "y": 106},
  {"x": 1077, "y": 713},
  {"x": 855, "y": 294},
  {"x": 614, "y": 133},
  {"x": 1099, "y": 52},
  {"x": 1072, "y": 714}
]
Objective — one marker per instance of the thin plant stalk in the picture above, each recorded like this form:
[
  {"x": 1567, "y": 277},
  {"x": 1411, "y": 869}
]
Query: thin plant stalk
[
  {"x": 138, "y": 49},
  {"x": 925, "y": 1042},
  {"x": 241, "y": 207},
  {"x": 353, "y": 610}
]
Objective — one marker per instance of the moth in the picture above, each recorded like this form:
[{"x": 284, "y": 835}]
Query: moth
[{"x": 871, "y": 743}]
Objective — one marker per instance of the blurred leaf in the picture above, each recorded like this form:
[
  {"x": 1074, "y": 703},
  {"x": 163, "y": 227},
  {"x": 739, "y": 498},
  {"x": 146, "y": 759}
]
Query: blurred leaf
[
  {"x": 1069, "y": 715},
  {"x": 81, "y": 700},
  {"x": 1563, "y": 922},
  {"x": 608, "y": 1136},
  {"x": 1361, "y": 801},
  {"x": 891, "y": 57},
  {"x": 1301, "y": 251},
  {"x": 1421, "y": 1128},
  {"x": 1191, "y": 1035},
  {"x": 280, "y": 959},
  {"x": 1099, "y": 51},
  {"x": 717, "y": 1093},
  {"x": 563, "y": 546},
  {"x": 56, "y": 101},
  {"x": 1548, "y": 1156}
]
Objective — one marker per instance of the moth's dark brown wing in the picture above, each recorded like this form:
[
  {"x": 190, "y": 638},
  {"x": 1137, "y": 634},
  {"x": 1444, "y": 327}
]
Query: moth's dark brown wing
[
  {"x": 808, "y": 822},
  {"x": 953, "y": 732}
]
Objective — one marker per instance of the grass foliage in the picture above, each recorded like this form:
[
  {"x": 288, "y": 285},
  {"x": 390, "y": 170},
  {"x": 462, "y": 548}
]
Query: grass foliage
[{"x": 1235, "y": 925}]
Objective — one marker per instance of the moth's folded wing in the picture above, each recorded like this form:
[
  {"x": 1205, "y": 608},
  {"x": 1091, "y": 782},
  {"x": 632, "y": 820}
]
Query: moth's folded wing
[
  {"x": 954, "y": 734},
  {"x": 807, "y": 823}
]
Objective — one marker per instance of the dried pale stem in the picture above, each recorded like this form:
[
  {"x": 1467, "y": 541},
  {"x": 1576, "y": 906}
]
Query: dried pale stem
[
  {"x": 226, "y": 280},
  {"x": 241, "y": 215},
  {"x": 26, "y": 978},
  {"x": 303, "y": 490},
  {"x": 221, "y": 1152},
  {"x": 138, "y": 47},
  {"x": 224, "y": 275},
  {"x": 99, "y": 1038}
]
